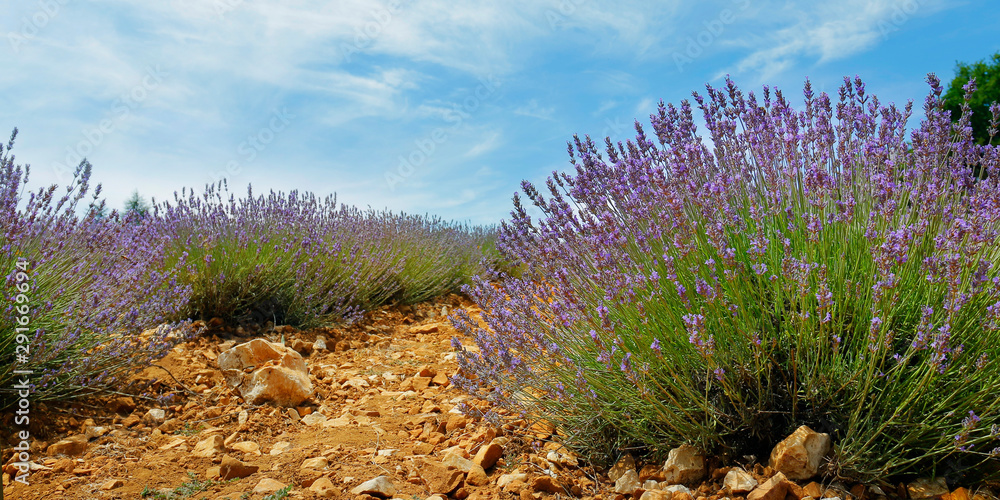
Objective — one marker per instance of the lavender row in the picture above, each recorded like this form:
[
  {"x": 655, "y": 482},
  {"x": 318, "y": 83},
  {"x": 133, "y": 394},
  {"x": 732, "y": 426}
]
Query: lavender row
[{"x": 299, "y": 259}]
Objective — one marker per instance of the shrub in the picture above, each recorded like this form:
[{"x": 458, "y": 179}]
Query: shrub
[
  {"x": 301, "y": 260},
  {"x": 800, "y": 267},
  {"x": 78, "y": 290}
]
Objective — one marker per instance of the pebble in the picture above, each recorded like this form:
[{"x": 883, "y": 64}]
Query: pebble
[
  {"x": 112, "y": 484},
  {"x": 268, "y": 485},
  {"x": 380, "y": 486}
]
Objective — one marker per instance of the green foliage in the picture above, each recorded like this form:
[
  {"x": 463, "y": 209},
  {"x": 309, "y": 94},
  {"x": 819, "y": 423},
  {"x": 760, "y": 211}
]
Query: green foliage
[
  {"x": 280, "y": 494},
  {"x": 136, "y": 206},
  {"x": 987, "y": 75}
]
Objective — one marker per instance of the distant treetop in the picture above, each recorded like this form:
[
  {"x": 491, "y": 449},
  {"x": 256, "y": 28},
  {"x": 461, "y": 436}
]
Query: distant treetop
[{"x": 987, "y": 75}]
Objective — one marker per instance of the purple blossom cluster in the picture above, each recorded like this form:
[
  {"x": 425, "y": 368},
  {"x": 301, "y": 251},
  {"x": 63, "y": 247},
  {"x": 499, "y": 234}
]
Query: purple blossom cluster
[{"x": 790, "y": 266}]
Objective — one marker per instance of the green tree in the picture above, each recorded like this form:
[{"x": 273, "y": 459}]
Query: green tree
[
  {"x": 136, "y": 205},
  {"x": 987, "y": 75}
]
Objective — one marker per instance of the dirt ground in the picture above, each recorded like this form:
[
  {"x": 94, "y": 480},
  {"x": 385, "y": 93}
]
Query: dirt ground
[{"x": 381, "y": 384}]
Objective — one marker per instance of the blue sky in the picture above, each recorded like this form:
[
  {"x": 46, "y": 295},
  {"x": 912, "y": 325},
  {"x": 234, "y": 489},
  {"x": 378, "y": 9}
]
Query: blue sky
[{"x": 424, "y": 106}]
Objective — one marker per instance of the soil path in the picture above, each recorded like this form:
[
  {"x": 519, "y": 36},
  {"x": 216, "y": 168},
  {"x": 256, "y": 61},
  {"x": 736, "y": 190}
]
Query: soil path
[{"x": 386, "y": 410}]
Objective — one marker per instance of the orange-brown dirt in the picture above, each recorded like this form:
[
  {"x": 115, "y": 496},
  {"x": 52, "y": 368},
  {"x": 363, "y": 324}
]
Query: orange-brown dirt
[
  {"x": 382, "y": 383},
  {"x": 388, "y": 410}
]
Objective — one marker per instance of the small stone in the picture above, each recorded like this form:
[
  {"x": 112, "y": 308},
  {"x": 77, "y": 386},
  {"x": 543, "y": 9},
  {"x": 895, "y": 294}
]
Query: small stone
[
  {"x": 799, "y": 456},
  {"x": 170, "y": 426},
  {"x": 440, "y": 379},
  {"x": 324, "y": 488},
  {"x": 314, "y": 419},
  {"x": 654, "y": 495},
  {"x": 650, "y": 484},
  {"x": 546, "y": 484},
  {"x": 488, "y": 455},
  {"x": 293, "y": 414},
  {"x": 71, "y": 446},
  {"x": 154, "y": 417},
  {"x": 268, "y": 485},
  {"x": 232, "y": 468},
  {"x": 857, "y": 491},
  {"x": 685, "y": 465},
  {"x": 623, "y": 465},
  {"x": 280, "y": 447},
  {"x": 506, "y": 479},
  {"x": 177, "y": 442},
  {"x": 739, "y": 481},
  {"x": 320, "y": 343},
  {"x": 439, "y": 478},
  {"x": 813, "y": 489},
  {"x": 425, "y": 328},
  {"x": 380, "y": 486},
  {"x": 112, "y": 484},
  {"x": 628, "y": 482},
  {"x": 675, "y": 488},
  {"x": 63, "y": 465},
  {"x": 927, "y": 488},
  {"x": 477, "y": 476},
  {"x": 243, "y": 417},
  {"x": 455, "y": 422},
  {"x": 208, "y": 447},
  {"x": 94, "y": 431},
  {"x": 454, "y": 460},
  {"x": 247, "y": 447},
  {"x": 315, "y": 463},
  {"x": 772, "y": 489}
]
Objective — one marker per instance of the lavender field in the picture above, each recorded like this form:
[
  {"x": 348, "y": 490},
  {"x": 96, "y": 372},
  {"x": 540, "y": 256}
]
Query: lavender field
[{"x": 831, "y": 264}]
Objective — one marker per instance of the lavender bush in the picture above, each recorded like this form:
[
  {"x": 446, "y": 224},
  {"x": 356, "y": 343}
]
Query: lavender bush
[
  {"x": 822, "y": 266},
  {"x": 87, "y": 286},
  {"x": 298, "y": 259}
]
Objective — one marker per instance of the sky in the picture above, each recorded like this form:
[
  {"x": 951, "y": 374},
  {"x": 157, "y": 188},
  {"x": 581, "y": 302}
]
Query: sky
[{"x": 423, "y": 106}]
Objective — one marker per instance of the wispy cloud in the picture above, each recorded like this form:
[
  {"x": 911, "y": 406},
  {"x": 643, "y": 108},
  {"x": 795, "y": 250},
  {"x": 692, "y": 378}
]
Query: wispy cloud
[
  {"x": 535, "y": 110},
  {"x": 827, "y": 31},
  {"x": 491, "y": 142}
]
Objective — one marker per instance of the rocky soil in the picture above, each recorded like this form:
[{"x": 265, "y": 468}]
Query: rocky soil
[{"x": 382, "y": 422}]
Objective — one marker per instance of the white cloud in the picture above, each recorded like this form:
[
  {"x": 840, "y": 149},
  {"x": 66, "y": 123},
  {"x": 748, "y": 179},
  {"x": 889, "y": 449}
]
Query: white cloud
[
  {"x": 605, "y": 106},
  {"x": 534, "y": 110},
  {"x": 645, "y": 107},
  {"x": 827, "y": 31},
  {"x": 486, "y": 145}
]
